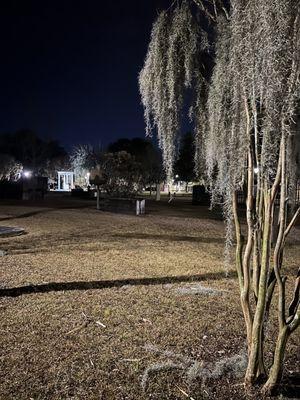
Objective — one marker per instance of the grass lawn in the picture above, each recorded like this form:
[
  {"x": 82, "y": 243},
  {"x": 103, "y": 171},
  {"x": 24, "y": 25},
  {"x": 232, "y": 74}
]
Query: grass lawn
[{"x": 97, "y": 305}]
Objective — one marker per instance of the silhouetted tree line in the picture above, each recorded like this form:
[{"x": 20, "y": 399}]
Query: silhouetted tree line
[
  {"x": 128, "y": 164},
  {"x": 25, "y": 149},
  {"x": 184, "y": 165}
]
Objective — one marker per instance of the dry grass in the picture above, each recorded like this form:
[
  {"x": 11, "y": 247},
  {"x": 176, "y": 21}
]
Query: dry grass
[{"x": 108, "y": 289}]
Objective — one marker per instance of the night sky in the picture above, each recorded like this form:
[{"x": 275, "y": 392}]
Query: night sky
[{"x": 69, "y": 69}]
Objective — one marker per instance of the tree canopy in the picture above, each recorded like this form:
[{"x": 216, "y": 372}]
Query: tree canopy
[{"x": 147, "y": 156}]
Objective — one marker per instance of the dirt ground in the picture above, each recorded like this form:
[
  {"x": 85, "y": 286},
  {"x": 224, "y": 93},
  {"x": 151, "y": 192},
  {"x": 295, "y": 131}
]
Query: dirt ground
[{"x": 98, "y": 305}]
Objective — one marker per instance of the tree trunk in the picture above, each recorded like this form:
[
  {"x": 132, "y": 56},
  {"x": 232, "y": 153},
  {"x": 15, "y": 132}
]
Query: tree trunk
[
  {"x": 98, "y": 197},
  {"x": 255, "y": 364},
  {"x": 157, "y": 196},
  {"x": 245, "y": 292},
  {"x": 239, "y": 241},
  {"x": 275, "y": 374}
]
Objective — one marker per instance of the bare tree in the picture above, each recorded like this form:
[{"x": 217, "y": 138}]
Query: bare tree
[
  {"x": 10, "y": 169},
  {"x": 82, "y": 159},
  {"x": 244, "y": 129}
]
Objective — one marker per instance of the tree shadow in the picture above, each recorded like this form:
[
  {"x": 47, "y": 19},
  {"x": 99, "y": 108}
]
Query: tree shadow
[
  {"x": 26, "y": 215},
  {"x": 106, "y": 284},
  {"x": 43, "y": 211},
  {"x": 173, "y": 238},
  {"x": 290, "y": 387}
]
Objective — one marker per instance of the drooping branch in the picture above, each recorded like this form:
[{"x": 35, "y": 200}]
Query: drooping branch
[{"x": 171, "y": 66}]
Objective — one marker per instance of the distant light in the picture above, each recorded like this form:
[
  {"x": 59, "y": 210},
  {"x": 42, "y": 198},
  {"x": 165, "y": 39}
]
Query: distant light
[
  {"x": 256, "y": 170},
  {"x": 176, "y": 176},
  {"x": 27, "y": 174}
]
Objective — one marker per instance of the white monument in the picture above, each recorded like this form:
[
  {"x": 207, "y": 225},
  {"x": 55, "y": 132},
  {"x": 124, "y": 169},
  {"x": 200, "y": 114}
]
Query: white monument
[{"x": 65, "y": 181}]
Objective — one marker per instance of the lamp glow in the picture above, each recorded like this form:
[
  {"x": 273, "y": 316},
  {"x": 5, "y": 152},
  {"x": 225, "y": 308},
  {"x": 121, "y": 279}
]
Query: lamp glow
[{"x": 27, "y": 174}]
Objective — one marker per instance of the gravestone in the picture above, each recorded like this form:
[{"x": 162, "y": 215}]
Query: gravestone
[{"x": 140, "y": 207}]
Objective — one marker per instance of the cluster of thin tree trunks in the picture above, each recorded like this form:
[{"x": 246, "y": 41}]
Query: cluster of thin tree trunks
[{"x": 258, "y": 276}]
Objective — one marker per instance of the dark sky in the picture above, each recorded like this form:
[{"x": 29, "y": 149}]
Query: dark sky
[{"x": 69, "y": 69}]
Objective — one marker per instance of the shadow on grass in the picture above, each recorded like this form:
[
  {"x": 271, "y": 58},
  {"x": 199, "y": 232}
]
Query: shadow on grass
[
  {"x": 290, "y": 387},
  {"x": 172, "y": 238},
  {"x": 43, "y": 211},
  {"x": 105, "y": 284},
  {"x": 26, "y": 215}
]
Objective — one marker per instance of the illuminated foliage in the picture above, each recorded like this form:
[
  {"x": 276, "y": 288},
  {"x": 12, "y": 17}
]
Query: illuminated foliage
[
  {"x": 10, "y": 169},
  {"x": 171, "y": 66},
  {"x": 244, "y": 116}
]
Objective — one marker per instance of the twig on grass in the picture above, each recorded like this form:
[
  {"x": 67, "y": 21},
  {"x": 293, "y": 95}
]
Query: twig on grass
[
  {"x": 184, "y": 393},
  {"x": 78, "y": 328},
  {"x": 100, "y": 324},
  {"x": 147, "y": 321},
  {"x": 88, "y": 320},
  {"x": 92, "y": 363}
]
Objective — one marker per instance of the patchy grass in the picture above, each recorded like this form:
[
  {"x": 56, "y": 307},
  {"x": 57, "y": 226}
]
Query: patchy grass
[{"x": 106, "y": 306}]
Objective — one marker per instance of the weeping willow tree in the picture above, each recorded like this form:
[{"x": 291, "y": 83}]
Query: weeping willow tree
[{"x": 243, "y": 113}]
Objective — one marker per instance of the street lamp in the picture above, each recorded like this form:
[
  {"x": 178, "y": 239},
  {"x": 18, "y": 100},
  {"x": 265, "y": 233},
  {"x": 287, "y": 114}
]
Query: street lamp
[{"x": 27, "y": 174}]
